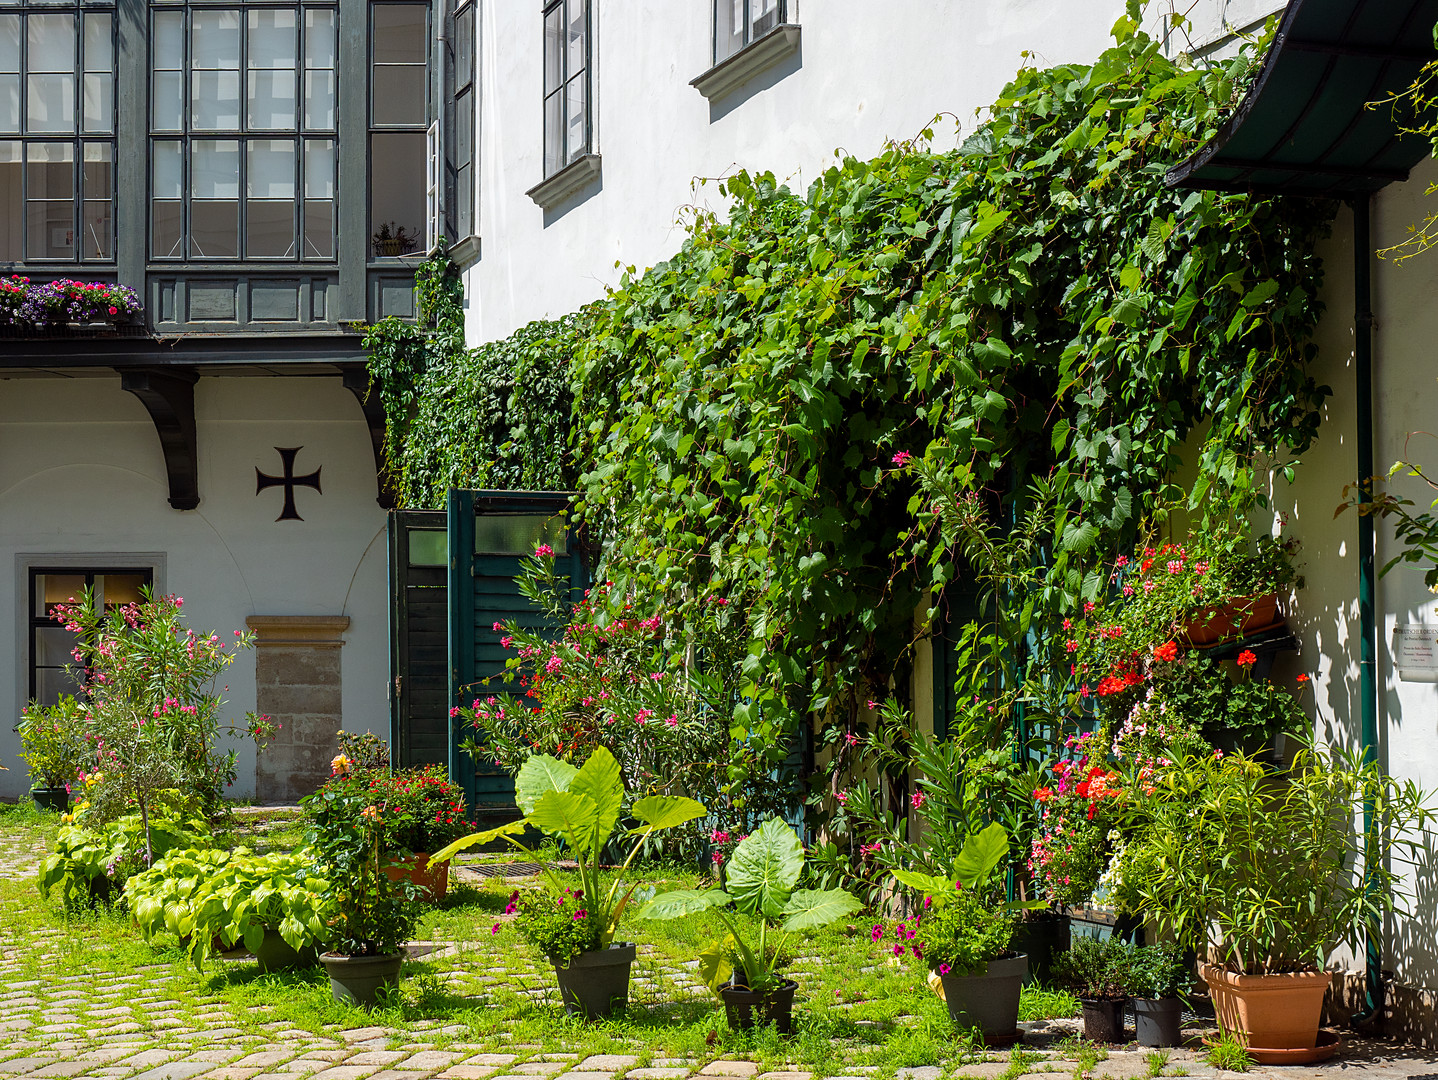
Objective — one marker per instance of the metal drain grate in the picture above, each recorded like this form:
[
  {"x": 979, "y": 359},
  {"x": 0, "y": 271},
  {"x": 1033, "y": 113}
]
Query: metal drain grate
[{"x": 494, "y": 869}]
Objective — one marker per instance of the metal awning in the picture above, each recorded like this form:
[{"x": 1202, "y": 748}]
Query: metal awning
[{"x": 1306, "y": 126}]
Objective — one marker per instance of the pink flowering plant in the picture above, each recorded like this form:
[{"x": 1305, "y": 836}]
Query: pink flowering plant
[
  {"x": 52, "y": 742},
  {"x": 27, "y": 303},
  {"x": 657, "y": 696},
  {"x": 151, "y": 709}
]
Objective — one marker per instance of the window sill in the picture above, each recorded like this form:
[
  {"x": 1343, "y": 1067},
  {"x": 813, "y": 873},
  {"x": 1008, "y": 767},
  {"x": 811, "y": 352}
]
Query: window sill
[
  {"x": 464, "y": 252},
  {"x": 550, "y": 192},
  {"x": 733, "y": 71}
]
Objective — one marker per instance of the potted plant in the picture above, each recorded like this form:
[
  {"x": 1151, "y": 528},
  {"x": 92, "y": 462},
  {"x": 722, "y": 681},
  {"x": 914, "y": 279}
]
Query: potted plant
[
  {"x": 964, "y": 934},
  {"x": 215, "y": 900},
  {"x": 52, "y": 742},
  {"x": 760, "y": 884},
  {"x": 1096, "y": 972},
  {"x": 369, "y": 916},
  {"x": 1157, "y": 975},
  {"x": 90, "y": 865},
  {"x": 391, "y": 239},
  {"x": 1258, "y": 870},
  {"x": 575, "y": 928}
]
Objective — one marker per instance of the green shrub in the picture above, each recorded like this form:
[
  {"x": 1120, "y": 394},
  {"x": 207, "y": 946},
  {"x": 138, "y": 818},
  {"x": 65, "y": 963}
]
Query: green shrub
[
  {"x": 96, "y": 863},
  {"x": 1094, "y": 968}
]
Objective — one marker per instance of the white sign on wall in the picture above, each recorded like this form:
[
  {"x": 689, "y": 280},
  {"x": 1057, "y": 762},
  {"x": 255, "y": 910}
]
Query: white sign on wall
[{"x": 1415, "y": 652}]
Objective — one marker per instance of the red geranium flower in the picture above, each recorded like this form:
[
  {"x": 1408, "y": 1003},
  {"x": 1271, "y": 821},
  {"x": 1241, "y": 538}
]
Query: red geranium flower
[{"x": 1247, "y": 658}]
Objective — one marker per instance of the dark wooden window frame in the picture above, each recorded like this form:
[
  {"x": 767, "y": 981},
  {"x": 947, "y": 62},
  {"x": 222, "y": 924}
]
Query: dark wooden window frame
[{"x": 39, "y": 620}]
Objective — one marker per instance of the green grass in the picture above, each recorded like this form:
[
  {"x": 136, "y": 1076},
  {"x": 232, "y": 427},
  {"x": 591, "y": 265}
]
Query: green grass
[
  {"x": 1227, "y": 1052},
  {"x": 1036, "y": 1003}
]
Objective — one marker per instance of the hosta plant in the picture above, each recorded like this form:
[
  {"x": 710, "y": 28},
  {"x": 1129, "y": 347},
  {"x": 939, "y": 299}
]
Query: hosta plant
[
  {"x": 204, "y": 896},
  {"x": 760, "y": 889},
  {"x": 86, "y": 861},
  {"x": 582, "y": 808}
]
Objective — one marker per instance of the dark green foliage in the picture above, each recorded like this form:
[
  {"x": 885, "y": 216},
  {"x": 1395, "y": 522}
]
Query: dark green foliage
[
  {"x": 1094, "y": 968},
  {"x": 1158, "y": 971}
]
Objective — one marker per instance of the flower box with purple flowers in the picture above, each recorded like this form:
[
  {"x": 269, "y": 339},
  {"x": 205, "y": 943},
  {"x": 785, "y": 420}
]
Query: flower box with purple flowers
[{"x": 24, "y": 303}]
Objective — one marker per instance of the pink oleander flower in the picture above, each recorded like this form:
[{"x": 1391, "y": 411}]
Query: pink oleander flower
[
  {"x": 902, "y": 458},
  {"x": 543, "y": 549}
]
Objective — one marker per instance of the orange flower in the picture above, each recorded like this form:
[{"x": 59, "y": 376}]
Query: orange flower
[
  {"x": 1043, "y": 794},
  {"x": 1167, "y": 652}
]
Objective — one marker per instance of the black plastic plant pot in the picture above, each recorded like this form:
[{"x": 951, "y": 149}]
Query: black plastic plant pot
[
  {"x": 1043, "y": 938},
  {"x": 1158, "y": 1021},
  {"x": 1103, "y": 1019},
  {"x": 989, "y": 1001},
  {"x": 51, "y": 798},
  {"x": 276, "y": 954},
  {"x": 596, "y": 984},
  {"x": 358, "y": 980},
  {"x": 747, "y": 1009}
]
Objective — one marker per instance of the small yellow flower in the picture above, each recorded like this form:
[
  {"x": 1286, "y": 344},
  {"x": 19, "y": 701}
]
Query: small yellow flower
[
  {"x": 370, "y": 812},
  {"x": 340, "y": 765}
]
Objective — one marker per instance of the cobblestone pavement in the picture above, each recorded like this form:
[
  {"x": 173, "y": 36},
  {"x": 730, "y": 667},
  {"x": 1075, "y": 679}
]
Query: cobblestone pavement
[{"x": 58, "y": 1020}]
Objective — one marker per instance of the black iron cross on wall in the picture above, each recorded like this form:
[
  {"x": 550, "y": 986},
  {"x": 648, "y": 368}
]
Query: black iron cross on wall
[{"x": 289, "y": 481}]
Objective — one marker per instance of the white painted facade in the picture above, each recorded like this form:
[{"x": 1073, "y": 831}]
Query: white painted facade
[
  {"x": 865, "y": 74},
  {"x": 83, "y": 482}
]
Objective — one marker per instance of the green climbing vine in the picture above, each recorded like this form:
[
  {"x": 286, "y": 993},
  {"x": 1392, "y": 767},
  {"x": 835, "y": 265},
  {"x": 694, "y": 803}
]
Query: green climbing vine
[{"x": 496, "y": 416}]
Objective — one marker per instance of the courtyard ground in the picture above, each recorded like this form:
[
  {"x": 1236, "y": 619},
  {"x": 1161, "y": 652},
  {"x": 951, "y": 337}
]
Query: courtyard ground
[{"x": 85, "y": 996}]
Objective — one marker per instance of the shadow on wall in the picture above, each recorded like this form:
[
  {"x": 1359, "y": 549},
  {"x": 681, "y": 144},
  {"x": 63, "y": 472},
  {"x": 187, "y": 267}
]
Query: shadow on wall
[
  {"x": 757, "y": 85},
  {"x": 579, "y": 197}
]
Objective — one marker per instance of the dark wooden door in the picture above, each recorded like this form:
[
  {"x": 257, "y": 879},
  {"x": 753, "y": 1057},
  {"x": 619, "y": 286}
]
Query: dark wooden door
[
  {"x": 419, "y": 638},
  {"x": 490, "y": 533}
]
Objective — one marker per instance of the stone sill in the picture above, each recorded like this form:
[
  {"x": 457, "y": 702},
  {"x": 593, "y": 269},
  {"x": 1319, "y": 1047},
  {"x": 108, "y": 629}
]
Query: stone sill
[
  {"x": 733, "y": 71},
  {"x": 555, "y": 189},
  {"x": 465, "y": 252},
  {"x": 309, "y": 631}
]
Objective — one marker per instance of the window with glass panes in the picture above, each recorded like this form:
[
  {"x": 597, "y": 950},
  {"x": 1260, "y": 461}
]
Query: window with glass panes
[
  {"x": 399, "y": 121},
  {"x": 242, "y": 131},
  {"x": 463, "y": 152},
  {"x": 740, "y": 22},
  {"x": 566, "y": 83},
  {"x": 50, "y": 642},
  {"x": 57, "y": 132}
]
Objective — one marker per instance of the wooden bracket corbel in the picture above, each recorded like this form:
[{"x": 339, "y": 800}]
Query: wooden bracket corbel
[
  {"x": 168, "y": 395},
  {"x": 357, "y": 382}
]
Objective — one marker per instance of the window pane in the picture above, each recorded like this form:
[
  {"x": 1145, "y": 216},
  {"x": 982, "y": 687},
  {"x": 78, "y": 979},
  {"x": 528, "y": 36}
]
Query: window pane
[
  {"x": 51, "y": 43},
  {"x": 50, "y": 683},
  {"x": 320, "y": 100},
  {"x": 10, "y": 44},
  {"x": 216, "y": 100},
  {"x": 272, "y": 100},
  {"x": 553, "y": 133},
  {"x": 167, "y": 44},
  {"x": 99, "y": 106},
  {"x": 52, "y": 589},
  {"x": 116, "y": 590},
  {"x": 399, "y": 95},
  {"x": 167, "y": 108},
  {"x": 215, "y": 39},
  {"x": 464, "y": 217},
  {"x": 464, "y": 128},
  {"x": 764, "y": 16},
  {"x": 10, "y": 104},
  {"x": 50, "y": 201},
  {"x": 53, "y": 645},
  {"x": 269, "y": 229},
  {"x": 400, "y": 34},
  {"x": 50, "y": 106},
  {"x": 728, "y": 28},
  {"x": 272, "y": 39},
  {"x": 167, "y": 223},
  {"x": 96, "y": 211},
  {"x": 270, "y": 169},
  {"x": 320, "y": 169},
  {"x": 168, "y": 177},
  {"x": 99, "y": 42},
  {"x": 464, "y": 47},
  {"x": 397, "y": 188},
  {"x": 578, "y": 123},
  {"x": 214, "y": 229},
  {"x": 577, "y": 16},
  {"x": 10, "y": 207},
  {"x": 553, "y": 49},
  {"x": 215, "y": 169},
  {"x": 319, "y": 38},
  {"x": 319, "y": 229}
]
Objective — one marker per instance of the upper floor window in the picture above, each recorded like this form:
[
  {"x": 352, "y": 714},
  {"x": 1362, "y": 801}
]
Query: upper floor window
[
  {"x": 57, "y": 132},
  {"x": 740, "y": 22},
  {"x": 462, "y": 154},
  {"x": 242, "y": 131},
  {"x": 566, "y": 83},
  {"x": 399, "y": 140}
]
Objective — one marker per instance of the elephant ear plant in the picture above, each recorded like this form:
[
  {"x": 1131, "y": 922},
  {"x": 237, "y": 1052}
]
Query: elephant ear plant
[
  {"x": 582, "y": 807},
  {"x": 761, "y": 878}
]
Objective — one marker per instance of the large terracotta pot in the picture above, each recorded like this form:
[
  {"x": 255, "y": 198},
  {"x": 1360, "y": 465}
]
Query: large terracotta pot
[
  {"x": 416, "y": 868},
  {"x": 1238, "y": 618},
  {"x": 1274, "y": 1012}
]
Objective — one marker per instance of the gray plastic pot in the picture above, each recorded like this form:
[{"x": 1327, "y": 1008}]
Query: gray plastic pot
[
  {"x": 275, "y": 953},
  {"x": 596, "y": 983},
  {"x": 989, "y": 1001},
  {"x": 359, "y": 979},
  {"x": 1158, "y": 1021}
]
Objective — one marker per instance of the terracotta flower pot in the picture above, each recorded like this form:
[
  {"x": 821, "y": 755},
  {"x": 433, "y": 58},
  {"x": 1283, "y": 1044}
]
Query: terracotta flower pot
[
  {"x": 1274, "y": 1012},
  {"x": 416, "y": 868},
  {"x": 1238, "y": 618}
]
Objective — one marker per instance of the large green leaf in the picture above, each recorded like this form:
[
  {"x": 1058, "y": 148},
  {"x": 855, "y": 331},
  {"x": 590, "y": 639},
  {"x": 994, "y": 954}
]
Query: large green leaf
[
  {"x": 464, "y": 843},
  {"x": 665, "y": 811},
  {"x": 928, "y": 884},
  {"x": 602, "y": 783},
  {"x": 714, "y": 964},
  {"x": 765, "y": 868},
  {"x": 808, "y": 909},
  {"x": 538, "y": 774},
  {"x": 567, "y": 814},
  {"x": 983, "y": 851},
  {"x": 678, "y": 903}
]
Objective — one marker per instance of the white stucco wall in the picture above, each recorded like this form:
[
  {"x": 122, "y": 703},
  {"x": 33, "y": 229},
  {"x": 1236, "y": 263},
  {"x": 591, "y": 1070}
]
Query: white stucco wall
[
  {"x": 867, "y": 73},
  {"x": 81, "y": 472}
]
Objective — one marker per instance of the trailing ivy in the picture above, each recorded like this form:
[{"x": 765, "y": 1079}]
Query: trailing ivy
[
  {"x": 1035, "y": 304},
  {"x": 496, "y": 416}
]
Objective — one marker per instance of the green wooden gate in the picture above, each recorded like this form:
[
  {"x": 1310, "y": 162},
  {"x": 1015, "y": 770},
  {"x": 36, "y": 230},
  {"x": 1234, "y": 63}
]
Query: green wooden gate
[
  {"x": 419, "y": 638},
  {"x": 490, "y": 532}
]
